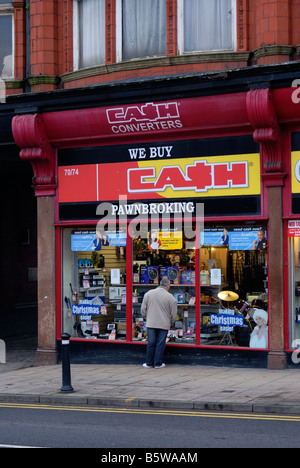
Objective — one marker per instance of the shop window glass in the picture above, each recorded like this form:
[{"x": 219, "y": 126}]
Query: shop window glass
[
  {"x": 294, "y": 281},
  {"x": 6, "y": 42},
  {"x": 220, "y": 283},
  {"x": 94, "y": 284},
  {"x": 143, "y": 28},
  {"x": 234, "y": 287},
  {"x": 206, "y": 25},
  {"x": 166, "y": 253},
  {"x": 89, "y": 33}
]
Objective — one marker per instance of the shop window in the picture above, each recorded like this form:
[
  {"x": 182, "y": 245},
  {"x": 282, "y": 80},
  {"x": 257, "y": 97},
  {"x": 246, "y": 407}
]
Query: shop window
[
  {"x": 166, "y": 253},
  {"x": 89, "y": 33},
  {"x": 219, "y": 280},
  {"x": 234, "y": 287},
  {"x": 6, "y": 42},
  {"x": 94, "y": 284},
  {"x": 141, "y": 28},
  {"x": 294, "y": 282},
  {"x": 205, "y": 25}
]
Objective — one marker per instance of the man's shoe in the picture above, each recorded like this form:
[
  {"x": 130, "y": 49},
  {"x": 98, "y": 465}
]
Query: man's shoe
[
  {"x": 146, "y": 365},
  {"x": 161, "y": 366}
]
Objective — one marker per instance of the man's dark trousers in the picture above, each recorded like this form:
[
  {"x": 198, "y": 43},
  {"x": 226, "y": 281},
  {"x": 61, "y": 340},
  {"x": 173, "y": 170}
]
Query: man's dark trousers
[{"x": 156, "y": 346}]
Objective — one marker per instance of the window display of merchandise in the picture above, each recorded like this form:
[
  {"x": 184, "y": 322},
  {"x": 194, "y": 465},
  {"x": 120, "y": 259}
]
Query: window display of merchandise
[
  {"x": 234, "y": 287},
  {"x": 221, "y": 289},
  {"x": 228, "y": 308},
  {"x": 104, "y": 287},
  {"x": 96, "y": 272},
  {"x": 149, "y": 268},
  {"x": 294, "y": 247}
]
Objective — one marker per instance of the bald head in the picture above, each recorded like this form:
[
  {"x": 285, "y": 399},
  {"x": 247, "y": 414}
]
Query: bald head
[{"x": 165, "y": 283}]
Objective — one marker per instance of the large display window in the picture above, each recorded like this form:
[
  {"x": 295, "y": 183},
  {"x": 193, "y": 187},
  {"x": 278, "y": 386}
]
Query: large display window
[
  {"x": 219, "y": 279},
  {"x": 234, "y": 287},
  {"x": 94, "y": 284},
  {"x": 166, "y": 253},
  {"x": 294, "y": 282}
]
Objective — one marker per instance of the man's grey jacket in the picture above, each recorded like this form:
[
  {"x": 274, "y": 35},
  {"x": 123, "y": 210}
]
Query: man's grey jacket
[{"x": 159, "y": 307}]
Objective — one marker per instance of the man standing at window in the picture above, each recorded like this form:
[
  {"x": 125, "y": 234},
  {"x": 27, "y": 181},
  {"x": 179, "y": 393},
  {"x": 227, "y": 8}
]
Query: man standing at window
[{"x": 160, "y": 309}]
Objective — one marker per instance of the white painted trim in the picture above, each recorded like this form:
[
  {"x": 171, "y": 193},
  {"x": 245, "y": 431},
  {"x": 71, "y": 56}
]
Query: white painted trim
[
  {"x": 7, "y": 10},
  {"x": 180, "y": 29},
  {"x": 119, "y": 29},
  {"x": 75, "y": 35}
]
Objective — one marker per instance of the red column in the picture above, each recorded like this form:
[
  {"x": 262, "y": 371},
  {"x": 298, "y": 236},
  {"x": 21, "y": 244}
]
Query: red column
[
  {"x": 263, "y": 118},
  {"x": 272, "y": 30},
  {"x": 30, "y": 136},
  {"x": 65, "y": 36},
  {"x": 110, "y": 31},
  {"x": 20, "y": 39},
  {"x": 242, "y": 18},
  {"x": 171, "y": 27},
  {"x": 44, "y": 44}
]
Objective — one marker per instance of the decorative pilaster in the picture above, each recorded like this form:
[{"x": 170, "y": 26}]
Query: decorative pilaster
[
  {"x": 242, "y": 25},
  {"x": 20, "y": 38},
  {"x": 263, "y": 118},
  {"x": 110, "y": 31},
  {"x": 267, "y": 132},
  {"x": 45, "y": 36},
  {"x": 171, "y": 28},
  {"x": 30, "y": 136},
  {"x": 67, "y": 30},
  {"x": 46, "y": 352}
]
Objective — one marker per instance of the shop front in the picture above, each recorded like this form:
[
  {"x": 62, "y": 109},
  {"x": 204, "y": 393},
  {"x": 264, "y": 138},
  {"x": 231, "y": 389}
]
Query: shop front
[
  {"x": 294, "y": 247},
  {"x": 193, "y": 189},
  {"x": 181, "y": 211}
]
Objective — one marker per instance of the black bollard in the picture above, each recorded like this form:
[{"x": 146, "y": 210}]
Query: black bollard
[{"x": 66, "y": 365}]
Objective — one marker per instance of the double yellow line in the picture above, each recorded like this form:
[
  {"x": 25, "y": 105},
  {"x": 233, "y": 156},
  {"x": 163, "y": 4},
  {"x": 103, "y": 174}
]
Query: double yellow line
[{"x": 161, "y": 412}]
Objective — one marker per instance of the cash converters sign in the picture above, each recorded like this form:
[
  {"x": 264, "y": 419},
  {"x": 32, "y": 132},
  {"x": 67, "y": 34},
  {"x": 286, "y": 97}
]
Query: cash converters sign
[
  {"x": 161, "y": 178},
  {"x": 145, "y": 117},
  {"x": 200, "y": 176}
]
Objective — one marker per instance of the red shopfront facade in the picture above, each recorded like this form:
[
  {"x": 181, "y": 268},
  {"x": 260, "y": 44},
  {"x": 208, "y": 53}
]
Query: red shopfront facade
[{"x": 141, "y": 173}]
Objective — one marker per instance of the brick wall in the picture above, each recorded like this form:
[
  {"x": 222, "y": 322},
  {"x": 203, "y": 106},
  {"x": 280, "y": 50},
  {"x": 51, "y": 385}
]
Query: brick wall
[{"x": 267, "y": 32}]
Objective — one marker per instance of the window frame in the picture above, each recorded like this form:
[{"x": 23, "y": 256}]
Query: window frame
[
  {"x": 119, "y": 35},
  {"x": 119, "y": 31},
  {"x": 76, "y": 39},
  {"x": 8, "y": 10},
  {"x": 180, "y": 30}
]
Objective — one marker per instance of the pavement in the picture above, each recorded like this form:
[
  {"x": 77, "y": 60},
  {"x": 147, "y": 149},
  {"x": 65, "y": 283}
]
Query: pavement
[{"x": 175, "y": 387}]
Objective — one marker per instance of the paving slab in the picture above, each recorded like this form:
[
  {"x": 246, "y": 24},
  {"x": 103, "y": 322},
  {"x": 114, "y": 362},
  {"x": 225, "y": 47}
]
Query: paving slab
[{"x": 182, "y": 387}]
